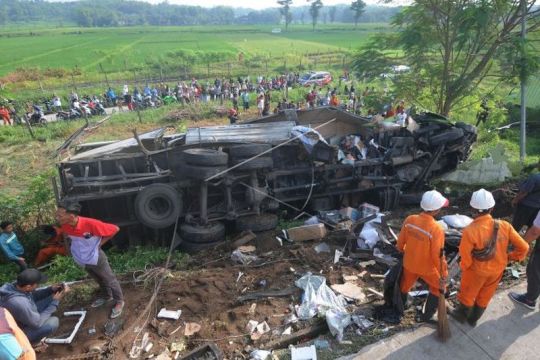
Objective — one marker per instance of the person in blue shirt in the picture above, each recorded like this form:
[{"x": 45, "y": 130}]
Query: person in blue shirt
[
  {"x": 11, "y": 246},
  {"x": 112, "y": 96}
]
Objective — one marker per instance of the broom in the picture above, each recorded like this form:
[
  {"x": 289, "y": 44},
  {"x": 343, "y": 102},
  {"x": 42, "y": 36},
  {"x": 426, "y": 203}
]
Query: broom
[{"x": 443, "y": 327}]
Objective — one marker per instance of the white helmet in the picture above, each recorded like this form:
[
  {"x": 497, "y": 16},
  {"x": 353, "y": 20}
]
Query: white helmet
[
  {"x": 433, "y": 200},
  {"x": 482, "y": 200}
]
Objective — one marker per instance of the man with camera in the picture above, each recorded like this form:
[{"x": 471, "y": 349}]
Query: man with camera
[{"x": 31, "y": 307}]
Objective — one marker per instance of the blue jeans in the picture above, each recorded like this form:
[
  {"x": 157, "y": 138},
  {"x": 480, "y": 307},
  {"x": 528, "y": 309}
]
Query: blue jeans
[{"x": 34, "y": 335}]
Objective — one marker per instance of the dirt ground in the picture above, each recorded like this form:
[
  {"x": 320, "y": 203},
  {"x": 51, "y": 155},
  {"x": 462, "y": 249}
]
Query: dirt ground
[{"x": 207, "y": 292}]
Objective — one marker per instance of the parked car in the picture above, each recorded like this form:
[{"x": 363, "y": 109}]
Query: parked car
[
  {"x": 319, "y": 78},
  {"x": 240, "y": 175}
]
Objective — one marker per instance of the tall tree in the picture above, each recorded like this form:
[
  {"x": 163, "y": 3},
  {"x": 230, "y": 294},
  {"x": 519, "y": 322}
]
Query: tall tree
[
  {"x": 285, "y": 11},
  {"x": 315, "y": 11},
  {"x": 332, "y": 13},
  {"x": 452, "y": 46},
  {"x": 357, "y": 7}
]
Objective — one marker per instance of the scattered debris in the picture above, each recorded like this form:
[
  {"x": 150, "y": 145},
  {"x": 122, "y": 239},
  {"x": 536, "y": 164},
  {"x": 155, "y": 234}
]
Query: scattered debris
[
  {"x": 306, "y": 232},
  {"x": 244, "y": 238},
  {"x": 322, "y": 247},
  {"x": 259, "y": 354},
  {"x": 191, "y": 328},
  {"x": 338, "y": 321},
  {"x": 304, "y": 353},
  {"x": 241, "y": 258},
  {"x": 350, "y": 290},
  {"x": 169, "y": 314}
]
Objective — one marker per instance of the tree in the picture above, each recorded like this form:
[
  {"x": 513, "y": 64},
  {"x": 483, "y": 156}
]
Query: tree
[
  {"x": 286, "y": 12},
  {"x": 332, "y": 13},
  {"x": 452, "y": 46},
  {"x": 358, "y": 8},
  {"x": 314, "y": 11}
]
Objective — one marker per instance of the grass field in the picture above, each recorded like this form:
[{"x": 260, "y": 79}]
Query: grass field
[{"x": 119, "y": 48}]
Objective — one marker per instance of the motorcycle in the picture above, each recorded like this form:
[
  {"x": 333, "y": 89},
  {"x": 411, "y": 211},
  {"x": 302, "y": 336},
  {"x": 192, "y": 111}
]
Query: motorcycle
[
  {"x": 96, "y": 107},
  {"x": 37, "y": 117},
  {"x": 69, "y": 115}
]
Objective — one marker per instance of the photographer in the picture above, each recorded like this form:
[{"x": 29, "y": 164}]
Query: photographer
[{"x": 31, "y": 307}]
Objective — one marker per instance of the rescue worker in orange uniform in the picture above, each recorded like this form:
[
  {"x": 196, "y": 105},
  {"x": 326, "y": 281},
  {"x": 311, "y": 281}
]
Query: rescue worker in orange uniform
[
  {"x": 421, "y": 240},
  {"x": 481, "y": 274},
  {"x": 54, "y": 245}
]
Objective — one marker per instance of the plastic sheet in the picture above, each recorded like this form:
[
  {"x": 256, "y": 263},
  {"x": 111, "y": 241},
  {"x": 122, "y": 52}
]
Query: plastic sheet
[
  {"x": 457, "y": 221},
  {"x": 259, "y": 354},
  {"x": 309, "y": 137},
  {"x": 337, "y": 322},
  {"x": 318, "y": 298},
  {"x": 369, "y": 232},
  {"x": 239, "y": 257}
]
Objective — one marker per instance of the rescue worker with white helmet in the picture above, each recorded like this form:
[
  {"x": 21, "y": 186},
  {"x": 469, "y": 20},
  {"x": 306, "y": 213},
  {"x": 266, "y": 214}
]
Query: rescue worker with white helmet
[
  {"x": 484, "y": 256},
  {"x": 421, "y": 240}
]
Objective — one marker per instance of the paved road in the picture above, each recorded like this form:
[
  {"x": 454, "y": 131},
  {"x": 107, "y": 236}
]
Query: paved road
[
  {"x": 52, "y": 117},
  {"x": 506, "y": 331}
]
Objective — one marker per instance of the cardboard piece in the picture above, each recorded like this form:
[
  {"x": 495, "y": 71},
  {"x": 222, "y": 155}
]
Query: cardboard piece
[{"x": 306, "y": 232}]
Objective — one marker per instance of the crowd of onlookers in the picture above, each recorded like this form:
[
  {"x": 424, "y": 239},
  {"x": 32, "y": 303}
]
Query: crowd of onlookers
[{"x": 267, "y": 94}]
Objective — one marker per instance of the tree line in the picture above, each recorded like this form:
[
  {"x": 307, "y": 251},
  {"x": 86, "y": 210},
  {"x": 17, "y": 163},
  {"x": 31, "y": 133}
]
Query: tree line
[{"x": 104, "y": 13}]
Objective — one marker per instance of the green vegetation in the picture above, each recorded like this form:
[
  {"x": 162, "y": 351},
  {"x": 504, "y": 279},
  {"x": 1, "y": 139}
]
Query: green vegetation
[{"x": 64, "y": 269}]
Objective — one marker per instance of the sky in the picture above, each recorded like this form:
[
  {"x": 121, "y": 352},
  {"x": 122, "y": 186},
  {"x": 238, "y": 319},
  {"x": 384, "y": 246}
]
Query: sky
[{"x": 261, "y": 4}]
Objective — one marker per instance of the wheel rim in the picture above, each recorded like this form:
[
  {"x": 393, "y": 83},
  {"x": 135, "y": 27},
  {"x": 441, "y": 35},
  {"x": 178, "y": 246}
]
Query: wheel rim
[{"x": 159, "y": 207}]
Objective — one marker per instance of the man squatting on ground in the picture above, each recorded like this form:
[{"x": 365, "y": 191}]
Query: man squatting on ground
[
  {"x": 484, "y": 256},
  {"x": 533, "y": 269},
  {"x": 421, "y": 239},
  {"x": 31, "y": 307},
  {"x": 86, "y": 236}
]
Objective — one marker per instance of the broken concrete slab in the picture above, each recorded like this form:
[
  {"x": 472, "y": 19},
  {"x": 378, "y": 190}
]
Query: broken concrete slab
[{"x": 350, "y": 290}]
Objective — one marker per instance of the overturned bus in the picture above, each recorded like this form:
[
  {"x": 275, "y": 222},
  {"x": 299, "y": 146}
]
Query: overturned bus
[{"x": 210, "y": 179}]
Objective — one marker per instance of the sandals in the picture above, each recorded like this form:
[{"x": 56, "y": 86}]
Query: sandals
[
  {"x": 117, "y": 309},
  {"x": 100, "y": 302}
]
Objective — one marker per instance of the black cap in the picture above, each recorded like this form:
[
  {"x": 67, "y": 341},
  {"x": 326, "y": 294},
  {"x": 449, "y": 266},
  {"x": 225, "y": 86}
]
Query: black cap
[{"x": 31, "y": 277}]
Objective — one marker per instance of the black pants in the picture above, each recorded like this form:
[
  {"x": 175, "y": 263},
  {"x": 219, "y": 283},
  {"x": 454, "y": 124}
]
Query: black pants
[
  {"x": 533, "y": 273},
  {"x": 524, "y": 215}
]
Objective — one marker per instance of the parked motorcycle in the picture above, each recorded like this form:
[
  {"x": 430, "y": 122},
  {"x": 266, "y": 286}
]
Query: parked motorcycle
[
  {"x": 69, "y": 115},
  {"x": 37, "y": 117}
]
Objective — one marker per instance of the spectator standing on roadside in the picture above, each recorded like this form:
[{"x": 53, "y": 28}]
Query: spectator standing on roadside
[
  {"x": 57, "y": 103},
  {"x": 86, "y": 236},
  {"x": 112, "y": 96},
  {"x": 527, "y": 202},
  {"x": 4, "y": 114},
  {"x": 11, "y": 246},
  {"x": 529, "y": 298}
]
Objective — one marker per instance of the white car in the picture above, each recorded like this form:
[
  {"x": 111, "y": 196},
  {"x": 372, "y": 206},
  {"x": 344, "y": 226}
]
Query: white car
[{"x": 319, "y": 78}]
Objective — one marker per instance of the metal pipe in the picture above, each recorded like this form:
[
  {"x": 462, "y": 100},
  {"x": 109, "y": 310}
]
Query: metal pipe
[{"x": 203, "y": 199}]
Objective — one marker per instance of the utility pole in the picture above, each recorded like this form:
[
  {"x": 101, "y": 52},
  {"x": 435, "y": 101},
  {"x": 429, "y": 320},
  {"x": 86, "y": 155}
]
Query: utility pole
[{"x": 523, "y": 112}]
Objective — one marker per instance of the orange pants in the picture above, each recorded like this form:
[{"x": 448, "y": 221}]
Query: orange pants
[
  {"x": 48, "y": 252},
  {"x": 477, "y": 289},
  {"x": 409, "y": 278}
]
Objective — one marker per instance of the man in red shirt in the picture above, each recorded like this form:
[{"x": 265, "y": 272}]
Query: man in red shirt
[{"x": 86, "y": 236}]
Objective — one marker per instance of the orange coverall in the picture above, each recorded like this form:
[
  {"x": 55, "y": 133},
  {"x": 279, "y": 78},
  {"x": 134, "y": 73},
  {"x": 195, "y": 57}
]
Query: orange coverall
[
  {"x": 421, "y": 239},
  {"x": 479, "y": 279},
  {"x": 55, "y": 246},
  {"x": 28, "y": 351},
  {"x": 4, "y": 114}
]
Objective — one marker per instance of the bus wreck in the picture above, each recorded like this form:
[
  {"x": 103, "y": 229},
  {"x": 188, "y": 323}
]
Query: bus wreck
[{"x": 212, "y": 178}]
